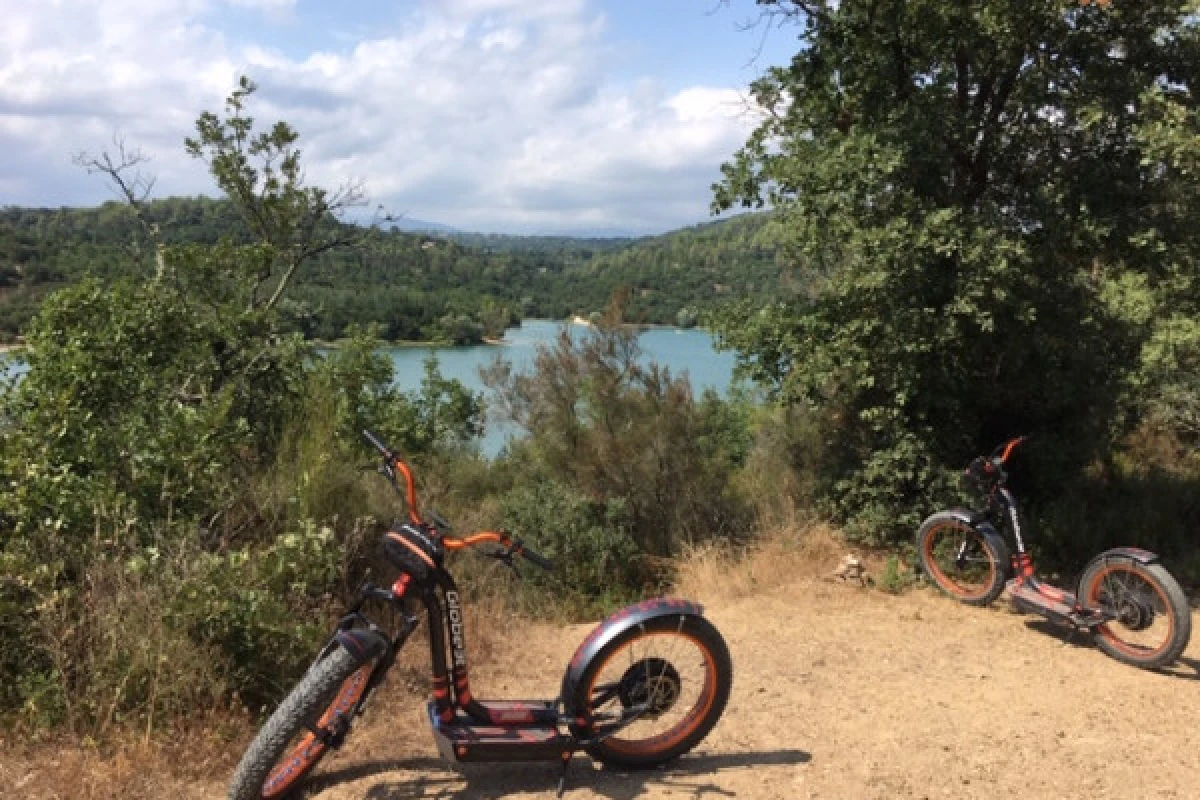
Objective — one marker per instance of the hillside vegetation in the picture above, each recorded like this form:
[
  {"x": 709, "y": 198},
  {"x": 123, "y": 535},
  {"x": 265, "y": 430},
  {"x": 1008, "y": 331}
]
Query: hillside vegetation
[{"x": 416, "y": 287}]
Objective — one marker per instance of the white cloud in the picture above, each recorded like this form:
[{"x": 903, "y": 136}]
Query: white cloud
[{"x": 489, "y": 114}]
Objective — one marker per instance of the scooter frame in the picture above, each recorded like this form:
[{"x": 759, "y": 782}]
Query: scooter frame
[
  {"x": 1028, "y": 593},
  {"x": 468, "y": 729}
]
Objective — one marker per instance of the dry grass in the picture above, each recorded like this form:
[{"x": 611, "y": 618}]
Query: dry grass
[
  {"x": 714, "y": 573},
  {"x": 184, "y": 764}
]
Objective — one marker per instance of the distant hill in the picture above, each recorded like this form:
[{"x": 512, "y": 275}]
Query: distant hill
[{"x": 444, "y": 284}]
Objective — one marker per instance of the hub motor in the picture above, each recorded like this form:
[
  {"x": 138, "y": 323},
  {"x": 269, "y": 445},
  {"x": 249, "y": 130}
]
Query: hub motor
[{"x": 651, "y": 682}]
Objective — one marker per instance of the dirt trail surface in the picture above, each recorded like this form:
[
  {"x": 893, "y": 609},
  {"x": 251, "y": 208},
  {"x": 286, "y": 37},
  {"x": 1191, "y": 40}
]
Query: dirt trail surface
[{"x": 838, "y": 693}]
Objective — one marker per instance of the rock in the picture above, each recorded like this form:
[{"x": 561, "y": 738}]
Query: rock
[{"x": 852, "y": 569}]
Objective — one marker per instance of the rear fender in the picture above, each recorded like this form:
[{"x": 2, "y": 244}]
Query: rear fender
[
  {"x": 1143, "y": 557},
  {"x": 616, "y": 625}
]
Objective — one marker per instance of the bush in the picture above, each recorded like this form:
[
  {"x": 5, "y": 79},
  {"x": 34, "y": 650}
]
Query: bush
[
  {"x": 264, "y": 611},
  {"x": 612, "y": 428},
  {"x": 596, "y": 559}
]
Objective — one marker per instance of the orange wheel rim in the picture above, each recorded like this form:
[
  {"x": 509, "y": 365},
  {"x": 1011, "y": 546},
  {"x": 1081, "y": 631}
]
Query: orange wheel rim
[
  {"x": 308, "y": 751},
  {"x": 1107, "y": 630},
  {"x": 695, "y": 716},
  {"x": 952, "y": 585}
]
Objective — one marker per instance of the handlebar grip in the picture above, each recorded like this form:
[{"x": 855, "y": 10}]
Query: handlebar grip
[
  {"x": 1005, "y": 449},
  {"x": 377, "y": 442},
  {"x": 536, "y": 558},
  {"x": 1010, "y": 446}
]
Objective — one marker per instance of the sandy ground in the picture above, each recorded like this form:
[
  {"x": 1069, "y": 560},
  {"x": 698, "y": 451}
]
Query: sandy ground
[{"x": 838, "y": 693}]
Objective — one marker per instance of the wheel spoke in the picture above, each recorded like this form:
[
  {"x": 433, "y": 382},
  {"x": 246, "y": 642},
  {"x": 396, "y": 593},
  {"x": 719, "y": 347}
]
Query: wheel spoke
[
  {"x": 1140, "y": 623},
  {"x": 660, "y": 685}
]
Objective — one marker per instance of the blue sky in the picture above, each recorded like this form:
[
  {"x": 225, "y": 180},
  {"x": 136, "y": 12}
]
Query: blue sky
[{"x": 525, "y": 116}]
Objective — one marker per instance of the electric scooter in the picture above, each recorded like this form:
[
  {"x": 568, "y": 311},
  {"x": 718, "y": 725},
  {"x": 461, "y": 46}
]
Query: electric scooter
[
  {"x": 1132, "y": 605},
  {"x": 644, "y": 687}
]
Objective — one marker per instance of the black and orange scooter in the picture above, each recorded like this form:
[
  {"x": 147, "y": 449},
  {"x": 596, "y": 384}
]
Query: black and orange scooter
[
  {"x": 1125, "y": 597},
  {"x": 645, "y": 686}
]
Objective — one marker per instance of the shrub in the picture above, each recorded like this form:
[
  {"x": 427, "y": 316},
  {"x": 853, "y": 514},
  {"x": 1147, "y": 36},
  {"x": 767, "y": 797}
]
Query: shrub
[
  {"x": 613, "y": 428},
  {"x": 596, "y": 559}
]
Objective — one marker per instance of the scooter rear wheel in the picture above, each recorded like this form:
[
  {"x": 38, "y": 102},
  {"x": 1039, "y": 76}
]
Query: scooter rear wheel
[
  {"x": 656, "y": 691},
  {"x": 1152, "y": 623}
]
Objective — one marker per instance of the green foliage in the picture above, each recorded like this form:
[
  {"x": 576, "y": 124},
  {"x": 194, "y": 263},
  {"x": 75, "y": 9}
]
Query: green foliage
[
  {"x": 960, "y": 184},
  {"x": 596, "y": 558},
  {"x": 179, "y": 494},
  {"x": 418, "y": 287},
  {"x": 261, "y": 173},
  {"x": 611, "y": 428},
  {"x": 442, "y": 414},
  {"x": 895, "y": 578},
  {"x": 137, "y": 407},
  {"x": 260, "y": 609}
]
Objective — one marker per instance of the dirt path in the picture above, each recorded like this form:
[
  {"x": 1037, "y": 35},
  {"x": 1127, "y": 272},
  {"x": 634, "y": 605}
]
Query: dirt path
[
  {"x": 840, "y": 693},
  {"x": 843, "y": 693}
]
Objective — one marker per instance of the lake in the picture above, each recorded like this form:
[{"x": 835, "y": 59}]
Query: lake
[
  {"x": 689, "y": 351},
  {"x": 684, "y": 351}
]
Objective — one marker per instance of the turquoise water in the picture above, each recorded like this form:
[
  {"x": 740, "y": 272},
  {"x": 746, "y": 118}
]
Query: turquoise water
[{"x": 689, "y": 352}]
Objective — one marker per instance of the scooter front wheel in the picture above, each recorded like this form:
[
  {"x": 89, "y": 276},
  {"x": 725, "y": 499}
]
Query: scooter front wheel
[
  {"x": 654, "y": 692},
  {"x": 288, "y": 745},
  {"x": 961, "y": 559},
  {"x": 1150, "y": 621}
]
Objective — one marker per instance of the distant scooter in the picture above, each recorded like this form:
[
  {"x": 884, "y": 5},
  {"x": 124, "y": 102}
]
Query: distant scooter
[{"x": 1125, "y": 597}]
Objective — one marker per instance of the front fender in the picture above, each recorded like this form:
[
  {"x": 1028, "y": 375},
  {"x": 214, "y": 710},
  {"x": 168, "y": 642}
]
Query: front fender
[
  {"x": 979, "y": 521},
  {"x": 362, "y": 645},
  {"x": 616, "y": 625}
]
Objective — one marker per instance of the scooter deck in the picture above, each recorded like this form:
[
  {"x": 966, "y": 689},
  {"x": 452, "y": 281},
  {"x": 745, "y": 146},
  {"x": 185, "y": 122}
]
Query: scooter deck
[
  {"x": 463, "y": 739},
  {"x": 1061, "y": 608}
]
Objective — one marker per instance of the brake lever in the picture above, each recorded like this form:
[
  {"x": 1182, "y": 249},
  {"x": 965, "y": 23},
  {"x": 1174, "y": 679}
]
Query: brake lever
[{"x": 506, "y": 557}]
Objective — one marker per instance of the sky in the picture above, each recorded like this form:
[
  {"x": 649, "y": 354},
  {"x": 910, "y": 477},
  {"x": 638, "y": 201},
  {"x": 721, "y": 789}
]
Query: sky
[{"x": 511, "y": 116}]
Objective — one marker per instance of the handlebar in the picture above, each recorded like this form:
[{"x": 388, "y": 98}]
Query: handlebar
[
  {"x": 393, "y": 461},
  {"x": 1003, "y": 451},
  {"x": 504, "y": 539},
  {"x": 536, "y": 558}
]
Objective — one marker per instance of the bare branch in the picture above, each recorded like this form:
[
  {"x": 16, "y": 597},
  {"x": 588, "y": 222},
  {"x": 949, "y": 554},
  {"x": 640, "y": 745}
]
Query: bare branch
[
  {"x": 125, "y": 177},
  {"x": 309, "y": 244}
]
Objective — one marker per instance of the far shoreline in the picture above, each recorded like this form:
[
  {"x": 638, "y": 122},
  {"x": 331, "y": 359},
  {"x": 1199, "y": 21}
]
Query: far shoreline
[{"x": 10, "y": 348}]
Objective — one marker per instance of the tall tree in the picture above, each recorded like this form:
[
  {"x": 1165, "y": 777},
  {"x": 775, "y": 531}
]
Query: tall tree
[{"x": 968, "y": 183}]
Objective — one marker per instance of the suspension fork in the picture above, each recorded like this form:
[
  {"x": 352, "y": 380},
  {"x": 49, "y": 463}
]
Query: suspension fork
[
  {"x": 411, "y": 621},
  {"x": 960, "y": 560}
]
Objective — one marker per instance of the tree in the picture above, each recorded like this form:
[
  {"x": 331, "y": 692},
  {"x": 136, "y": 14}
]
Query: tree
[
  {"x": 617, "y": 430},
  {"x": 261, "y": 173},
  {"x": 965, "y": 184}
]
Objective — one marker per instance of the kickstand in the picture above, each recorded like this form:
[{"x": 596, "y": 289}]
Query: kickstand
[{"x": 562, "y": 778}]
